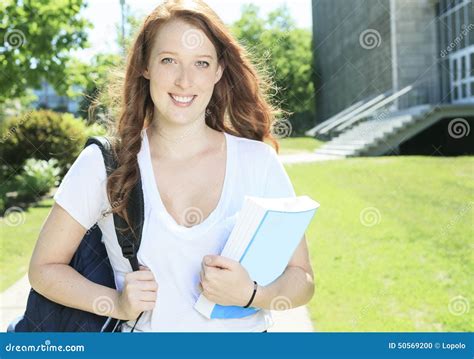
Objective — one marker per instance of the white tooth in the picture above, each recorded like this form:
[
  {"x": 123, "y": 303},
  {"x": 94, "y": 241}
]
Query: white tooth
[{"x": 183, "y": 99}]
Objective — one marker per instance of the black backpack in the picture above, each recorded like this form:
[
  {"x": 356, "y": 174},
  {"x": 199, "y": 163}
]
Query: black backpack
[{"x": 90, "y": 260}]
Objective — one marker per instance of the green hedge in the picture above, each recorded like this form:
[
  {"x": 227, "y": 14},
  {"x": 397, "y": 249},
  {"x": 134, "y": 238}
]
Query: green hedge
[
  {"x": 44, "y": 135},
  {"x": 35, "y": 180}
]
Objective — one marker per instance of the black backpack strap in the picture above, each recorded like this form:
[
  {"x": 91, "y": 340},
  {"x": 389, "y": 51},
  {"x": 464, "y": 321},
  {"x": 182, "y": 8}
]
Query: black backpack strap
[
  {"x": 106, "y": 148},
  {"x": 129, "y": 238}
]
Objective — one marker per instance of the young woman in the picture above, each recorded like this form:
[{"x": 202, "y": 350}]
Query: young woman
[{"x": 193, "y": 123}]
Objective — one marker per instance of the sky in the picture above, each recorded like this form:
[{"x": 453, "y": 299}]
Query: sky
[{"x": 105, "y": 16}]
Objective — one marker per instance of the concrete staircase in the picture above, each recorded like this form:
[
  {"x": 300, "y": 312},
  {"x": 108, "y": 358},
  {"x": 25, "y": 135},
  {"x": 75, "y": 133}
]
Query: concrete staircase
[{"x": 380, "y": 134}]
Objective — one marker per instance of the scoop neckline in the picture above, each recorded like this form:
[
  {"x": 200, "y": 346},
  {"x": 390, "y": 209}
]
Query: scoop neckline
[{"x": 157, "y": 201}]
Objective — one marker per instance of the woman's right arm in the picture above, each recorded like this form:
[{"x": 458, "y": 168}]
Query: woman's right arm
[{"x": 51, "y": 275}]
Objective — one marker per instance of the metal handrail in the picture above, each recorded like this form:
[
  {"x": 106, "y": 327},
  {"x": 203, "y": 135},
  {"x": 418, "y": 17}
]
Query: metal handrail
[
  {"x": 360, "y": 109},
  {"x": 323, "y": 124}
]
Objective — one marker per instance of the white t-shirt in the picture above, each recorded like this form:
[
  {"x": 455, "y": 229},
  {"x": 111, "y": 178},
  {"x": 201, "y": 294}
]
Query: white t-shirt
[{"x": 173, "y": 252}]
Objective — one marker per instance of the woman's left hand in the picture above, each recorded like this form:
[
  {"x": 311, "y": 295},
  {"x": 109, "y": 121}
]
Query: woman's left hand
[{"x": 224, "y": 281}]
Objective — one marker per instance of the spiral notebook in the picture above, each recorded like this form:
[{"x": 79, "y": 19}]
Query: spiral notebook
[{"x": 264, "y": 238}]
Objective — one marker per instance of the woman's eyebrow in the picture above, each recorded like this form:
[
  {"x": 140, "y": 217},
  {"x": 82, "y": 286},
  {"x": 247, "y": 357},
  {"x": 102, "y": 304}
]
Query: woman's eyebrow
[{"x": 174, "y": 53}]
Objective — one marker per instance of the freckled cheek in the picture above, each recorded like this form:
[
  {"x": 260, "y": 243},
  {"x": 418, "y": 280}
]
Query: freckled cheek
[
  {"x": 204, "y": 82},
  {"x": 163, "y": 78},
  {"x": 207, "y": 83}
]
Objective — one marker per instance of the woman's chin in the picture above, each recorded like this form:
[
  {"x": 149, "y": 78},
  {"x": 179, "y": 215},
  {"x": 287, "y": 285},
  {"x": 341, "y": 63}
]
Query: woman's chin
[{"x": 182, "y": 117}]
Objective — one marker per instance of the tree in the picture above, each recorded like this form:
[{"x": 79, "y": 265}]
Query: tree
[
  {"x": 285, "y": 52},
  {"x": 37, "y": 37},
  {"x": 94, "y": 77}
]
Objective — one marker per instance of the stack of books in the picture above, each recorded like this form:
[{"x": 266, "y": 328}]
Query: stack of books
[{"x": 264, "y": 238}]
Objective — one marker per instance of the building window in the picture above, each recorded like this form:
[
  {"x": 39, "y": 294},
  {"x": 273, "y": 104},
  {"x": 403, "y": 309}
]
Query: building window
[
  {"x": 461, "y": 68},
  {"x": 456, "y": 22}
]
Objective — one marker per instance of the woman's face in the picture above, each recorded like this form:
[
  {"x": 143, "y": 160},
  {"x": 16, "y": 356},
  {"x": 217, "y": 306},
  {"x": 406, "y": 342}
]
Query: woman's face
[{"x": 183, "y": 70}]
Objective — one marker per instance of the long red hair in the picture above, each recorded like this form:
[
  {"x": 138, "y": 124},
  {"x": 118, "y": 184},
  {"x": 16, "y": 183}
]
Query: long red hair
[{"x": 239, "y": 105}]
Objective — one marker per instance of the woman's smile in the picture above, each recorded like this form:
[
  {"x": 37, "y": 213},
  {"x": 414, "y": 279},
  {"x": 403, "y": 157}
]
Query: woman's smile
[{"x": 182, "y": 101}]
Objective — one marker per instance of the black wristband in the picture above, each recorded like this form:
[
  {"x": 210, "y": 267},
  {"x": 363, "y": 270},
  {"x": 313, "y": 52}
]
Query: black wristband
[{"x": 255, "y": 285}]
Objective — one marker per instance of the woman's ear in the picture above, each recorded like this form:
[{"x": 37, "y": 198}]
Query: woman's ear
[
  {"x": 146, "y": 74},
  {"x": 219, "y": 72}
]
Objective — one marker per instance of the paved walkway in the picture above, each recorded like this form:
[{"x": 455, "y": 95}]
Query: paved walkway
[
  {"x": 13, "y": 300},
  {"x": 307, "y": 157}
]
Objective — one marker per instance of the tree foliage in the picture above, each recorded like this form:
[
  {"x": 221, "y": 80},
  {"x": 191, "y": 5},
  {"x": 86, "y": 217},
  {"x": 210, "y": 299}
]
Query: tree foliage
[
  {"x": 36, "y": 38},
  {"x": 284, "y": 51}
]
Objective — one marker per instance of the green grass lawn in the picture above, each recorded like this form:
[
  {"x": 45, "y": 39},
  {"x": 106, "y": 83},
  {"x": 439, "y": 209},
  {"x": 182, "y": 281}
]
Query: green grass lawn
[
  {"x": 397, "y": 268},
  {"x": 17, "y": 241},
  {"x": 412, "y": 257},
  {"x": 291, "y": 145}
]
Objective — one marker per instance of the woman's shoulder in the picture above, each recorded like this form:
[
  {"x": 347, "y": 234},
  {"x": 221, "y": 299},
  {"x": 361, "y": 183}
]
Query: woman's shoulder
[
  {"x": 90, "y": 160},
  {"x": 254, "y": 148},
  {"x": 82, "y": 192}
]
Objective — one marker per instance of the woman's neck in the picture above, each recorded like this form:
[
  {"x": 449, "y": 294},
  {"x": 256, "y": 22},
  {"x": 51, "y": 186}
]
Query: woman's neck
[{"x": 180, "y": 142}]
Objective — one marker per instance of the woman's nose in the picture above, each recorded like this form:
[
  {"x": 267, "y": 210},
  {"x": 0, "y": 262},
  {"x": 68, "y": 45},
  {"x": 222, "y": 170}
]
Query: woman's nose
[{"x": 183, "y": 78}]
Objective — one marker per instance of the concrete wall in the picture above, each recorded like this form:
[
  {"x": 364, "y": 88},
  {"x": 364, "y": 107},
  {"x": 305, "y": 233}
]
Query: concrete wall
[
  {"x": 349, "y": 68},
  {"x": 417, "y": 50}
]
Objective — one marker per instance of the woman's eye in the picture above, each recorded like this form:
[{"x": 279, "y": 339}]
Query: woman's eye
[
  {"x": 204, "y": 64},
  {"x": 167, "y": 60}
]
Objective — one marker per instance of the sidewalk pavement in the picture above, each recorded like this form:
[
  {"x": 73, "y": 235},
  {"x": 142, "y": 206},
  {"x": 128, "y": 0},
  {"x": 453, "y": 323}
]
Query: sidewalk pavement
[
  {"x": 13, "y": 303},
  {"x": 307, "y": 157}
]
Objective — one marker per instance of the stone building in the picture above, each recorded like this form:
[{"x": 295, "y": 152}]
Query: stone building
[{"x": 394, "y": 76}]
